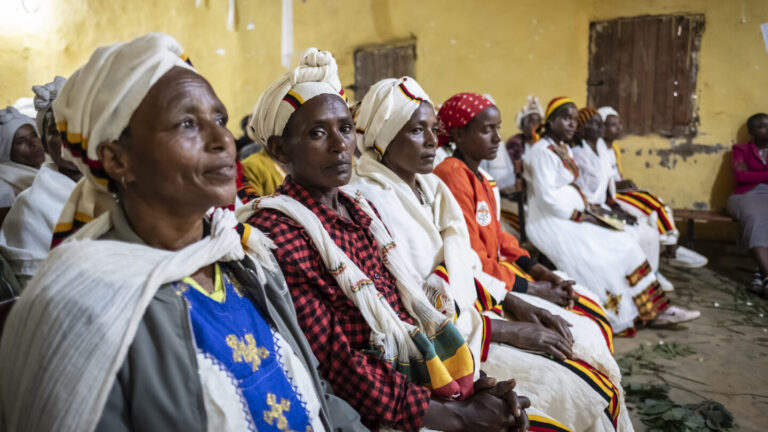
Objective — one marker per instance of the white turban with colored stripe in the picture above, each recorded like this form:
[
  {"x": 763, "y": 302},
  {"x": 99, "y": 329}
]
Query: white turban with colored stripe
[
  {"x": 387, "y": 106},
  {"x": 96, "y": 105},
  {"x": 316, "y": 74}
]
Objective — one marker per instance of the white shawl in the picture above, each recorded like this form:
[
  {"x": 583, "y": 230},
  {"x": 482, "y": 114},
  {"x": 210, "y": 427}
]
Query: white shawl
[
  {"x": 595, "y": 173},
  {"x": 70, "y": 330},
  {"x": 430, "y": 234},
  {"x": 25, "y": 238},
  {"x": 388, "y": 332}
]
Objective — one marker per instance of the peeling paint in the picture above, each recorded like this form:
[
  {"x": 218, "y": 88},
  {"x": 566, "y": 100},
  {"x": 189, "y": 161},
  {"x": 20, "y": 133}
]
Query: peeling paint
[
  {"x": 700, "y": 205},
  {"x": 647, "y": 164},
  {"x": 639, "y": 152},
  {"x": 684, "y": 151}
]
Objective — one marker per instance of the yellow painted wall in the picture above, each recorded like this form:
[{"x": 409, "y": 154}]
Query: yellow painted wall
[{"x": 507, "y": 49}]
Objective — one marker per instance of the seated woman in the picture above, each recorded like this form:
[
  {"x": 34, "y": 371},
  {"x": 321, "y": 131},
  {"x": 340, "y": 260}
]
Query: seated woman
[
  {"x": 597, "y": 183},
  {"x": 367, "y": 319},
  {"x": 749, "y": 202},
  {"x": 397, "y": 136},
  {"x": 25, "y": 238},
  {"x": 609, "y": 262},
  {"x": 643, "y": 204},
  {"x": 21, "y": 154},
  {"x": 153, "y": 319},
  {"x": 528, "y": 120}
]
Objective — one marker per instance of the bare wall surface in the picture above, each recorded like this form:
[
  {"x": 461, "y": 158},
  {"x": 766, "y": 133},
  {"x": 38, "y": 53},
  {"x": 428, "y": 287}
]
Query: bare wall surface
[{"x": 507, "y": 49}]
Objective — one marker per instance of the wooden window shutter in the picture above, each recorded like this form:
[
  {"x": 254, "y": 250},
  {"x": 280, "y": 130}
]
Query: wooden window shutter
[
  {"x": 645, "y": 67},
  {"x": 382, "y": 61}
]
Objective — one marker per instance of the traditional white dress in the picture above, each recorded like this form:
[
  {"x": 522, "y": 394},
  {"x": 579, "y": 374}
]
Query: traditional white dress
[
  {"x": 434, "y": 233},
  {"x": 609, "y": 262},
  {"x": 25, "y": 237},
  {"x": 597, "y": 183}
]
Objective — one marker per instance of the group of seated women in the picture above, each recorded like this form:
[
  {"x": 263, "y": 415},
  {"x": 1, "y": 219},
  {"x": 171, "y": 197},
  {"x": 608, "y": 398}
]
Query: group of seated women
[{"x": 365, "y": 292}]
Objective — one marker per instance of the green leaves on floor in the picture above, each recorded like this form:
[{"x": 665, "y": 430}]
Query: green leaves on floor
[{"x": 657, "y": 411}]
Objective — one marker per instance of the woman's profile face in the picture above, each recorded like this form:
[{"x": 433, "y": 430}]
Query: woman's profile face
[
  {"x": 412, "y": 150},
  {"x": 179, "y": 150}
]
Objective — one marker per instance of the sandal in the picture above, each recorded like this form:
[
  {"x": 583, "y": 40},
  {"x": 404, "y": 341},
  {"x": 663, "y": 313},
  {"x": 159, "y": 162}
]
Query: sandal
[{"x": 759, "y": 285}]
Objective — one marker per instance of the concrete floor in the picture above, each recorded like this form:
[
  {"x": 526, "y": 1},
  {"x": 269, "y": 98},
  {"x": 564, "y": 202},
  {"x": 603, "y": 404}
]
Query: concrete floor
[{"x": 731, "y": 339}]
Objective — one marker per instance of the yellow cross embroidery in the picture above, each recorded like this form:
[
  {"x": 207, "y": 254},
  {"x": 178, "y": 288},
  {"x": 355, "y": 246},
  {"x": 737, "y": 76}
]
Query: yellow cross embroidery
[
  {"x": 613, "y": 302},
  {"x": 247, "y": 351},
  {"x": 276, "y": 412}
]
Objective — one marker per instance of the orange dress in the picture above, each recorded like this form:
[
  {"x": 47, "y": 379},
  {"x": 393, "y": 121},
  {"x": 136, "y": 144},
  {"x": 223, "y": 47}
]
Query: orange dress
[{"x": 500, "y": 253}]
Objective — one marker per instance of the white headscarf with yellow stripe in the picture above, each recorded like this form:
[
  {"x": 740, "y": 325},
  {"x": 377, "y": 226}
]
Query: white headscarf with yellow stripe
[
  {"x": 387, "y": 106},
  {"x": 96, "y": 105},
  {"x": 316, "y": 74}
]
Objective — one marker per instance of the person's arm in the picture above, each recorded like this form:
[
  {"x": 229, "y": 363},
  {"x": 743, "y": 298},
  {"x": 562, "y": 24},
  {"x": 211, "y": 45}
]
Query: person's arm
[
  {"x": 461, "y": 188},
  {"x": 380, "y": 394},
  {"x": 741, "y": 173}
]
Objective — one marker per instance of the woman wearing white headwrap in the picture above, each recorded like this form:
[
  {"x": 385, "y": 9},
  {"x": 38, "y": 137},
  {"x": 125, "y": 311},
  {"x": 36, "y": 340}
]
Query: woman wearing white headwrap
[
  {"x": 122, "y": 328},
  {"x": 643, "y": 204},
  {"x": 396, "y": 127},
  {"x": 25, "y": 237},
  {"x": 381, "y": 343},
  {"x": 21, "y": 154}
]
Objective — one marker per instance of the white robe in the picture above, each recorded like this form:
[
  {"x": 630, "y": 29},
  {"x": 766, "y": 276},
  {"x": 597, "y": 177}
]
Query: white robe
[
  {"x": 436, "y": 232},
  {"x": 597, "y": 183},
  {"x": 17, "y": 176},
  {"x": 597, "y": 257},
  {"x": 25, "y": 237}
]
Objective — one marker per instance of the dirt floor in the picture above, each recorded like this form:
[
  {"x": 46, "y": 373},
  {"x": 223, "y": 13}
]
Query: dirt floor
[{"x": 730, "y": 363}]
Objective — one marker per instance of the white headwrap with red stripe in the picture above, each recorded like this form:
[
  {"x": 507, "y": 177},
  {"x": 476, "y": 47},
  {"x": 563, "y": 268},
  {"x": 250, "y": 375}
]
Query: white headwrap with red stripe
[
  {"x": 387, "y": 106},
  {"x": 316, "y": 74}
]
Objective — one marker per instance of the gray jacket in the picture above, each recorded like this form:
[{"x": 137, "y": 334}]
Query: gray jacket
[{"x": 157, "y": 388}]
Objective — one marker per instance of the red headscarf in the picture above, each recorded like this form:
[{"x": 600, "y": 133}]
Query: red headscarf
[{"x": 458, "y": 111}]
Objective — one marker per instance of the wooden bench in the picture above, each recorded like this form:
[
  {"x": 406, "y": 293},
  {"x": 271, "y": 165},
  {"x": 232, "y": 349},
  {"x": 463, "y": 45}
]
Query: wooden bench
[{"x": 692, "y": 216}]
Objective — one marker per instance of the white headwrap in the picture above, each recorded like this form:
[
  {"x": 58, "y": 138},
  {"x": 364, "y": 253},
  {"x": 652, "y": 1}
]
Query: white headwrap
[
  {"x": 11, "y": 120},
  {"x": 17, "y": 176},
  {"x": 607, "y": 111},
  {"x": 387, "y": 106},
  {"x": 532, "y": 107},
  {"x": 316, "y": 74},
  {"x": 44, "y": 97},
  {"x": 96, "y": 105}
]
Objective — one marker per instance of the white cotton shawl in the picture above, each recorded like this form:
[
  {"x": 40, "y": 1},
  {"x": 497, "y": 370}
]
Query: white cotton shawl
[
  {"x": 25, "y": 238},
  {"x": 69, "y": 332},
  {"x": 388, "y": 332},
  {"x": 17, "y": 176},
  {"x": 595, "y": 173}
]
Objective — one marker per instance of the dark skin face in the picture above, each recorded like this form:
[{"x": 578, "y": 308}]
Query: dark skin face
[
  {"x": 53, "y": 144},
  {"x": 412, "y": 150},
  {"x": 480, "y": 139},
  {"x": 529, "y": 124},
  {"x": 562, "y": 127},
  {"x": 759, "y": 131},
  {"x": 612, "y": 128},
  {"x": 177, "y": 160},
  {"x": 26, "y": 147},
  {"x": 317, "y": 147},
  {"x": 593, "y": 129}
]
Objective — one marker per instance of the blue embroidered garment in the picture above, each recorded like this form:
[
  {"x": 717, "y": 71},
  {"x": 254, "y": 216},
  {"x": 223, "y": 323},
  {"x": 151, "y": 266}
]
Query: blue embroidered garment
[{"x": 229, "y": 329}]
